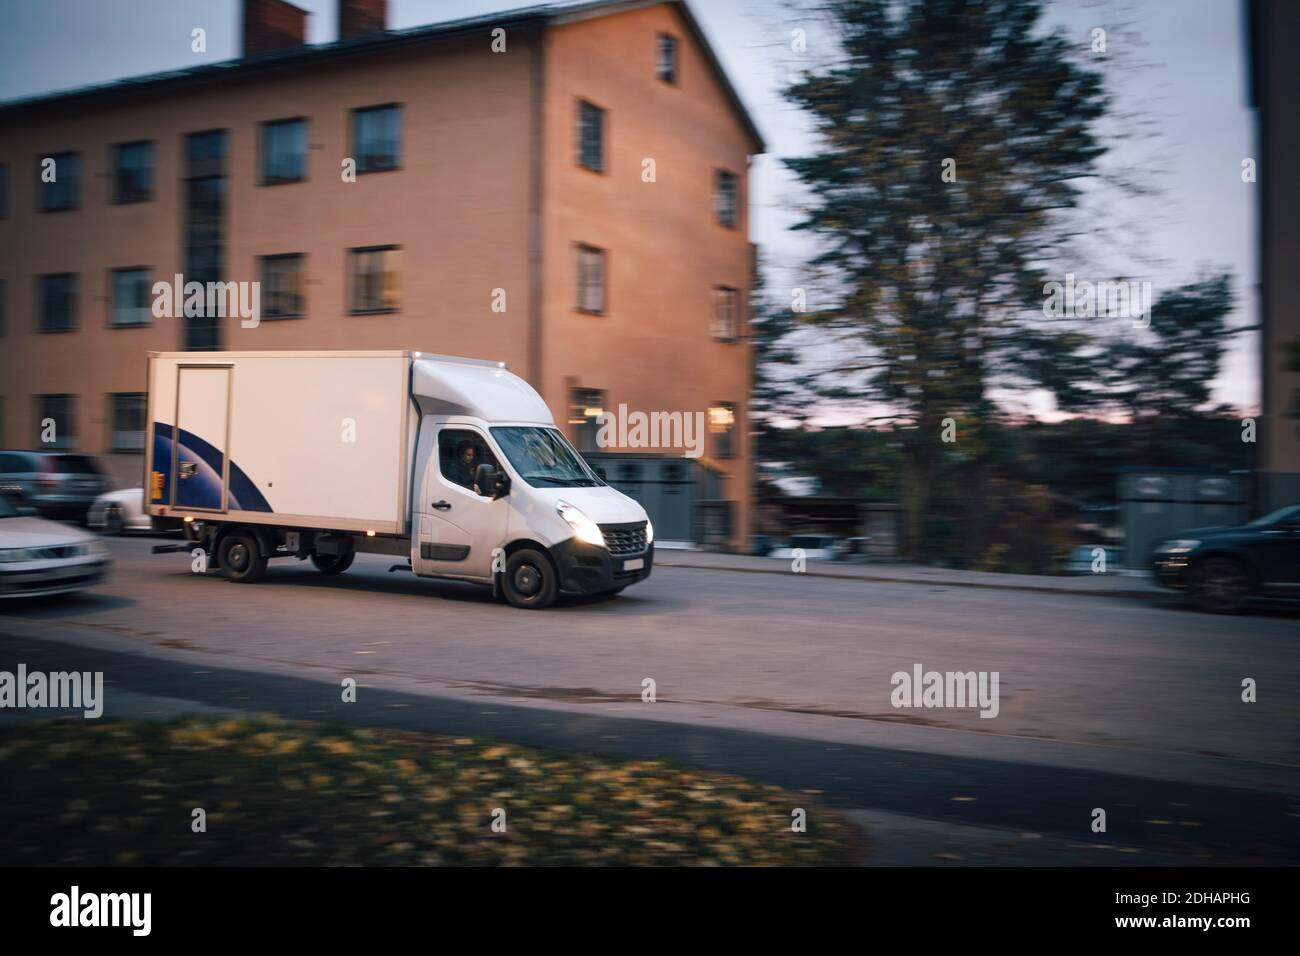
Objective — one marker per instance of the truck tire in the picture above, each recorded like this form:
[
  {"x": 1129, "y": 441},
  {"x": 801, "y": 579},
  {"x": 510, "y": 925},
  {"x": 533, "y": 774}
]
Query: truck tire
[
  {"x": 1220, "y": 585},
  {"x": 332, "y": 563},
  {"x": 530, "y": 580},
  {"x": 240, "y": 559}
]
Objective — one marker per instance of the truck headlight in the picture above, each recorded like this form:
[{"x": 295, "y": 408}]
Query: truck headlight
[
  {"x": 1180, "y": 546},
  {"x": 584, "y": 529},
  {"x": 649, "y": 532}
]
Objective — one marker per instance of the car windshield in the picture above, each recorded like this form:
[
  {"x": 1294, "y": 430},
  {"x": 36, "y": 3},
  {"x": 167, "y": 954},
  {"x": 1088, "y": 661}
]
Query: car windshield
[
  {"x": 6, "y": 509},
  {"x": 809, "y": 541},
  {"x": 543, "y": 458},
  {"x": 1291, "y": 512}
]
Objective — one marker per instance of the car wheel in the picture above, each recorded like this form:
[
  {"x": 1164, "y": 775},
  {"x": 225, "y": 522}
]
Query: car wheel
[
  {"x": 530, "y": 580},
  {"x": 240, "y": 559},
  {"x": 1220, "y": 585},
  {"x": 113, "y": 522},
  {"x": 332, "y": 563}
]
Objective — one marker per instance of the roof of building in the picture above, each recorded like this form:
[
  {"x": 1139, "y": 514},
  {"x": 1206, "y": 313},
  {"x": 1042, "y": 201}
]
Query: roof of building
[{"x": 539, "y": 15}]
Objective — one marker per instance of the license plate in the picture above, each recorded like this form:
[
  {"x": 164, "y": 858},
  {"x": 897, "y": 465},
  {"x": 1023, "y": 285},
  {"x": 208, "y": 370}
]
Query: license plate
[{"x": 636, "y": 564}]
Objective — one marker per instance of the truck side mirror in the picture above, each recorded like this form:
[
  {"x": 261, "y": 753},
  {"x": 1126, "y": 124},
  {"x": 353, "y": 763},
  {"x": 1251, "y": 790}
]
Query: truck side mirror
[{"x": 490, "y": 482}]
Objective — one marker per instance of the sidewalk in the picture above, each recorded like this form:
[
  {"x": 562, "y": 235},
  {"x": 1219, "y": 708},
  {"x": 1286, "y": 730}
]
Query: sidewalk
[{"x": 1103, "y": 585}]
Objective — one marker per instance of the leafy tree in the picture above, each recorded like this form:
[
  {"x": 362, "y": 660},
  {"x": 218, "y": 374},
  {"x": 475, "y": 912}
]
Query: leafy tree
[{"x": 956, "y": 135}]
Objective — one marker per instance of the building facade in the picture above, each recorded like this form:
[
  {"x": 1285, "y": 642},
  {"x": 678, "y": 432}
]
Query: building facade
[
  {"x": 563, "y": 189},
  {"x": 1275, "y": 91}
]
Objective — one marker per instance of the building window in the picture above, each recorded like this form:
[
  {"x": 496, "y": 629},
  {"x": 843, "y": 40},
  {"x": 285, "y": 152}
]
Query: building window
[
  {"x": 591, "y": 136},
  {"x": 133, "y": 172},
  {"x": 204, "y": 224},
  {"x": 131, "y": 297},
  {"x": 724, "y": 198},
  {"x": 126, "y": 415},
  {"x": 377, "y": 138},
  {"x": 726, "y": 314},
  {"x": 60, "y": 178},
  {"x": 722, "y": 423},
  {"x": 283, "y": 292},
  {"x": 284, "y": 151},
  {"x": 590, "y": 282},
  {"x": 374, "y": 276},
  {"x": 585, "y": 408},
  {"x": 667, "y": 62},
  {"x": 56, "y": 423},
  {"x": 57, "y": 301}
]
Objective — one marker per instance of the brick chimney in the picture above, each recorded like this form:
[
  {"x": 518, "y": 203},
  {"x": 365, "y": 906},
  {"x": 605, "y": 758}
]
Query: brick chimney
[
  {"x": 273, "y": 25},
  {"x": 359, "y": 17}
]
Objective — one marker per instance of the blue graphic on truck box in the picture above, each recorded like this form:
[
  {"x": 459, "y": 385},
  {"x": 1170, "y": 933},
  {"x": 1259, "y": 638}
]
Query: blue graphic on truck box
[{"x": 202, "y": 489}]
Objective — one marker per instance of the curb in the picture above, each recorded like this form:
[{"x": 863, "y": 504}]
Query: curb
[{"x": 946, "y": 583}]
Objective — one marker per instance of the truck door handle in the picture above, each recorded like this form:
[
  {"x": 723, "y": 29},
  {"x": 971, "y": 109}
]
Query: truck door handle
[{"x": 442, "y": 505}]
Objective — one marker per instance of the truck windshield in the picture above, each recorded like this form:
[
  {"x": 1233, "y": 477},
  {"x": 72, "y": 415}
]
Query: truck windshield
[{"x": 543, "y": 458}]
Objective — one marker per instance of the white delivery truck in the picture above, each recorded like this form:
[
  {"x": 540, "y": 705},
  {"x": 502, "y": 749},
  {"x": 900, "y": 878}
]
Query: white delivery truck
[{"x": 454, "y": 465}]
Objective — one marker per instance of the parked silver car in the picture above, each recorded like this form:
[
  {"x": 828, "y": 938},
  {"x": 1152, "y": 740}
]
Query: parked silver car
[
  {"x": 40, "y": 557},
  {"x": 57, "y": 484},
  {"x": 119, "y": 512}
]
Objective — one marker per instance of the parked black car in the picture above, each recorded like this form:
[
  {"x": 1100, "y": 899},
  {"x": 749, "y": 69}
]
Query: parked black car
[
  {"x": 57, "y": 484},
  {"x": 1222, "y": 568}
]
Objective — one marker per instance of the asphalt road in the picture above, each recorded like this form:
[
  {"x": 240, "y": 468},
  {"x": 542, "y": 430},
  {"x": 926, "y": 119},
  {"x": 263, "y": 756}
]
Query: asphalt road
[{"x": 1126, "y": 704}]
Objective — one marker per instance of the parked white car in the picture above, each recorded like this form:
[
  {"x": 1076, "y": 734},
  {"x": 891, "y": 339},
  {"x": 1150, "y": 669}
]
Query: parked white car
[
  {"x": 39, "y": 557},
  {"x": 815, "y": 547},
  {"x": 119, "y": 511}
]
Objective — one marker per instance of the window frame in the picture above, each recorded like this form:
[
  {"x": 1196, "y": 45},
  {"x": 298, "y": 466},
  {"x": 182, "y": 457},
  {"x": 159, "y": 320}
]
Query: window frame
[
  {"x": 737, "y": 320},
  {"x": 719, "y": 175},
  {"x": 728, "y": 435},
  {"x": 113, "y": 272},
  {"x": 579, "y": 249},
  {"x": 354, "y": 118},
  {"x": 263, "y": 179},
  {"x": 69, "y": 441},
  {"x": 74, "y": 321},
  {"x": 674, "y": 77},
  {"x": 301, "y": 258},
  {"x": 351, "y": 278},
  {"x": 115, "y": 153},
  {"x": 114, "y": 447},
  {"x": 580, "y": 428},
  {"x": 602, "y": 168},
  {"x": 42, "y": 186}
]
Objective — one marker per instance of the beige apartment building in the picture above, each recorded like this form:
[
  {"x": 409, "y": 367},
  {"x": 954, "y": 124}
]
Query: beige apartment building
[{"x": 563, "y": 188}]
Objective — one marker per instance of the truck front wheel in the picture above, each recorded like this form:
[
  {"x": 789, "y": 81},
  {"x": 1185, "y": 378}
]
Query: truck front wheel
[
  {"x": 240, "y": 559},
  {"x": 530, "y": 580}
]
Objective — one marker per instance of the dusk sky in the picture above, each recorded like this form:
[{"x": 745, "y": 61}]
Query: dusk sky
[{"x": 1192, "y": 89}]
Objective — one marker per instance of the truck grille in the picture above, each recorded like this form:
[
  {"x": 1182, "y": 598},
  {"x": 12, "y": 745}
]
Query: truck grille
[{"x": 624, "y": 538}]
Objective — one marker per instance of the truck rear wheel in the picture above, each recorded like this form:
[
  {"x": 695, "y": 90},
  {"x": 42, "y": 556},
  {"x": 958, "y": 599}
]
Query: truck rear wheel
[
  {"x": 530, "y": 580},
  {"x": 240, "y": 559},
  {"x": 332, "y": 563}
]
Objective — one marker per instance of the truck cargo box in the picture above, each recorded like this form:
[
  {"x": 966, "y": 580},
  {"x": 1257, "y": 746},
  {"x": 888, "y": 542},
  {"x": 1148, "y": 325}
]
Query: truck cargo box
[{"x": 294, "y": 439}]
